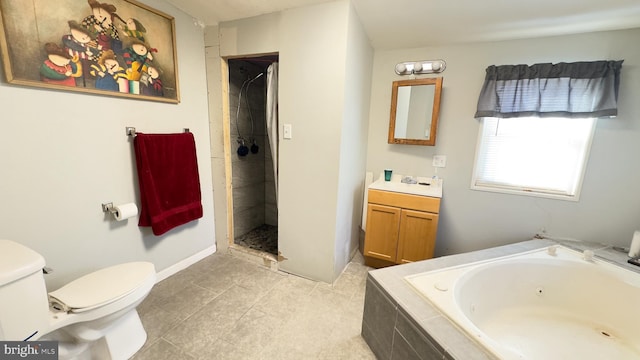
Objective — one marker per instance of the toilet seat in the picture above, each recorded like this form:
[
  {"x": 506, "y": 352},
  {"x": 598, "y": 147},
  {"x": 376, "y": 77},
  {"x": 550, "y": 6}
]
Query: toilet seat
[{"x": 102, "y": 287}]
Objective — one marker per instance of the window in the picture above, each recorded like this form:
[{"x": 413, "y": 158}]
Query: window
[
  {"x": 543, "y": 157},
  {"x": 537, "y": 122}
]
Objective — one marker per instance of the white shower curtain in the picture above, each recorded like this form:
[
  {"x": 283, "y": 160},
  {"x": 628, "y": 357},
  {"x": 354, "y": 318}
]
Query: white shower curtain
[{"x": 272, "y": 118}]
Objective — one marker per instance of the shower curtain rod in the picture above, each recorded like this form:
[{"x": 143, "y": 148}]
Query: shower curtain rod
[{"x": 256, "y": 60}]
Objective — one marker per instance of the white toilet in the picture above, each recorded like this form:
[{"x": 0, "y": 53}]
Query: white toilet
[{"x": 93, "y": 317}]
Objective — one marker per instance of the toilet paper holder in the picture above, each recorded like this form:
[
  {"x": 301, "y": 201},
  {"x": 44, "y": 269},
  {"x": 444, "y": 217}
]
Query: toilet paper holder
[
  {"x": 108, "y": 207},
  {"x": 120, "y": 212}
]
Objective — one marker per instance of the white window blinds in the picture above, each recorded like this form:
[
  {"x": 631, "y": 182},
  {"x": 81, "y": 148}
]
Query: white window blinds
[{"x": 535, "y": 156}]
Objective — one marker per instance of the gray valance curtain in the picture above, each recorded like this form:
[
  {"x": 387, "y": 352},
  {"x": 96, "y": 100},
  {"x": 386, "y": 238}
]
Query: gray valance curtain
[{"x": 579, "y": 89}]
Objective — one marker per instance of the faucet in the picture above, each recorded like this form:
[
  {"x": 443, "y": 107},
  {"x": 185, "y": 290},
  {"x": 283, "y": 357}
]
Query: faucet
[{"x": 409, "y": 180}]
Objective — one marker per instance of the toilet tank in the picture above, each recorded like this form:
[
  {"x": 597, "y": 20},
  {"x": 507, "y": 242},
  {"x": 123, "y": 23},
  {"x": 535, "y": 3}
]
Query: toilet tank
[{"x": 24, "y": 308}]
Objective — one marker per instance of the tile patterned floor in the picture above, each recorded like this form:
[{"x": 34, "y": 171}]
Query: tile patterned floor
[{"x": 224, "y": 307}]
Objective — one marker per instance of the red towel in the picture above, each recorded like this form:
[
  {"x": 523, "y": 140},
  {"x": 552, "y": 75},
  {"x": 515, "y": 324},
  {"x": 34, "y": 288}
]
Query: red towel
[{"x": 168, "y": 179}]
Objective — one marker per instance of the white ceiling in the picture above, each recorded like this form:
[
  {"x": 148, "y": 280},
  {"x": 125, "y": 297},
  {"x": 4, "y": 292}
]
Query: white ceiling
[{"x": 417, "y": 23}]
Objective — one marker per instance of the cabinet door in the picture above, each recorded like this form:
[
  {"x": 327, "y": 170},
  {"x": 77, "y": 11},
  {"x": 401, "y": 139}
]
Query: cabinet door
[
  {"x": 417, "y": 236},
  {"x": 381, "y": 237}
]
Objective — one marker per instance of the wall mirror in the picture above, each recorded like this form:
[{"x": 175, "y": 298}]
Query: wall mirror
[{"x": 415, "y": 107}]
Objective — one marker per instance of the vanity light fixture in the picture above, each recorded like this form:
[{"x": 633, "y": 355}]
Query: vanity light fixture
[{"x": 420, "y": 67}]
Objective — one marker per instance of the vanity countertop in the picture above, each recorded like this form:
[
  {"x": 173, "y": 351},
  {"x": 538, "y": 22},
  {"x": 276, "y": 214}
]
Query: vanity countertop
[{"x": 432, "y": 190}]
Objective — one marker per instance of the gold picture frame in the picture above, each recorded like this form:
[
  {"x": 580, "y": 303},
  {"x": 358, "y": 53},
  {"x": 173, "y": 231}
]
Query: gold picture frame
[{"x": 116, "y": 48}]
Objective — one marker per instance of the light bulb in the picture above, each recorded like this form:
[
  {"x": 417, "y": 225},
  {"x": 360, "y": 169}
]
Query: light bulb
[
  {"x": 436, "y": 65},
  {"x": 401, "y": 68},
  {"x": 417, "y": 67}
]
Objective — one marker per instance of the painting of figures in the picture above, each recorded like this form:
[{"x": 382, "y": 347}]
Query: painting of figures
[{"x": 116, "y": 48}]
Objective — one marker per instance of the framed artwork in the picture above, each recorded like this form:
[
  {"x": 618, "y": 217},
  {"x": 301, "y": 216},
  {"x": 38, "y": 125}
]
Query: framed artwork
[{"x": 116, "y": 48}]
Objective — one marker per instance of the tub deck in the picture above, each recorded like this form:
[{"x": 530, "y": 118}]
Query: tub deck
[{"x": 398, "y": 321}]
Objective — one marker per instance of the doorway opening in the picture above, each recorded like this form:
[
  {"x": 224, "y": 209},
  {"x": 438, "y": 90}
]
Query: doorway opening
[{"x": 253, "y": 142}]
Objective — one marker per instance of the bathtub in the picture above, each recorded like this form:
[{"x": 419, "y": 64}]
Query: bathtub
[{"x": 550, "y": 303}]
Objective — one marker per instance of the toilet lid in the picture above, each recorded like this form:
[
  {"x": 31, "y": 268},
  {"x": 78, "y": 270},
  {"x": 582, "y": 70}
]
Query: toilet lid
[{"x": 102, "y": 287}]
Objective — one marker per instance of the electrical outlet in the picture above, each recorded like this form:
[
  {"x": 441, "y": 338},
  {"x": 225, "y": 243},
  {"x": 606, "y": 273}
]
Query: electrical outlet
[{"x": 439, "y": 161}]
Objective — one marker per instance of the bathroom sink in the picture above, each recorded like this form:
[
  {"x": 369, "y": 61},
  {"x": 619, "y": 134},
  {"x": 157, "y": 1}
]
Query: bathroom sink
[{"x": 432, "y": 190}]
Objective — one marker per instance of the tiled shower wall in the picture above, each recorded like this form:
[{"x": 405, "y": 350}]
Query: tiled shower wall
[{"x": 254, "y": 198}]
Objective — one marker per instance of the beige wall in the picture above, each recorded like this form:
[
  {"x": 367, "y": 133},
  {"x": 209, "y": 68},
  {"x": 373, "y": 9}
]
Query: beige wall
[
  {"x": 353, "y": 144},
  {"x": 64, "y": 154},
  {"x": 608, "y": 210},
  {"x": 316, "y": 53},
  {"x": 312, "y": 43},
  {"x": 214, "y": 87}
]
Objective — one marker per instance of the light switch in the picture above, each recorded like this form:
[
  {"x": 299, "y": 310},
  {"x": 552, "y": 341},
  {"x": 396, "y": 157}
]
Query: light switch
[{"x": 287, "y": 131}]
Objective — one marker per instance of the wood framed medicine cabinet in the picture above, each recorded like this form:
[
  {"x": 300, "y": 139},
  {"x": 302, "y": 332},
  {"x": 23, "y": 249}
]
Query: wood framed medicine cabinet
[{"x": 415, "y": 108}]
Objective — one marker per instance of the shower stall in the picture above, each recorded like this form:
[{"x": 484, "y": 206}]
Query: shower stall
[{"x": 253, "y": 133}]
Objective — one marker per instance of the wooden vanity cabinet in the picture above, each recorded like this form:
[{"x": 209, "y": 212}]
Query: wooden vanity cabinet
[{"x": 401, "y": 228}]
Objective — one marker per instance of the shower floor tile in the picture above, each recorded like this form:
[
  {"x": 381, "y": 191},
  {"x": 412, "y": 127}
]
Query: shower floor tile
[{"x": 263, "y": 238}]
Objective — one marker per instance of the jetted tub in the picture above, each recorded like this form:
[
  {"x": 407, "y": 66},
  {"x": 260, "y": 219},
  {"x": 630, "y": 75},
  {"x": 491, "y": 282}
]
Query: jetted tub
[{"x": 550, "y": 303}]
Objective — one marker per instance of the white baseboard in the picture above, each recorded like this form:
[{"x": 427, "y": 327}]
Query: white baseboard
[{"x": 183, "y": 264}]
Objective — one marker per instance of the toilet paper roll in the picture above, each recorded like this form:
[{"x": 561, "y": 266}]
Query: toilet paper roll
[
  {"x": 634, "y": 249},
  {"x": 125, "y": 211}
]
